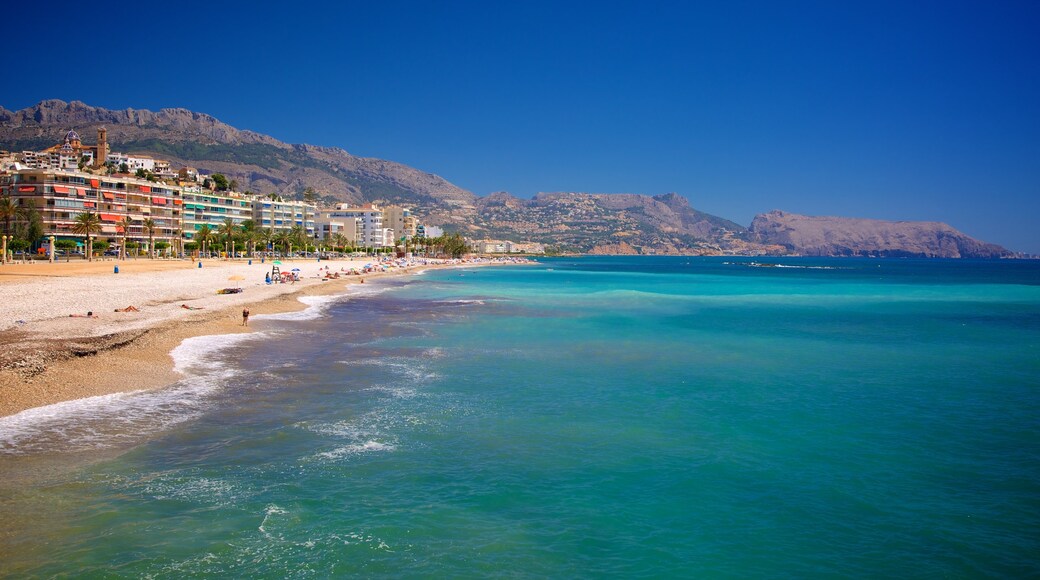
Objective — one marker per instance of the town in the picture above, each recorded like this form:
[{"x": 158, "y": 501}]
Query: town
[{"x": 76, "y": 199}]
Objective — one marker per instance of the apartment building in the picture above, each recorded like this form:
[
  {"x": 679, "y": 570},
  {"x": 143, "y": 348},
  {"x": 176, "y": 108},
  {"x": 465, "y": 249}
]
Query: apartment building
[
  {"x": 203, "y": 207},
  {"x": 284, "y": 215},
  {"x": 61, "y": 195}
]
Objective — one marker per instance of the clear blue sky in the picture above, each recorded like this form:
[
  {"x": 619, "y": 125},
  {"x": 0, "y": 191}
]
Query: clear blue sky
[{"x": 893, "y": 110}]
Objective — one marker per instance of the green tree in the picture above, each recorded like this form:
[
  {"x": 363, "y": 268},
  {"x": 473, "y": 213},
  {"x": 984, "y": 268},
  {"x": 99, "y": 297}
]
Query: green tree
[
  {"x": 220, "y": 181},
  {"x": 202, "y": 236},
  {"x": 8, "y": 211},
  {"x": 124, "y": 168},
  {"x": 250, "y": 235},
  {"x": 124, "y": 227},
  {"x": 228, "y": 229},
  {"x": 65, "y": 244},
  {"x": 87, "y": 224},
  {"x": 233, "y": 185},
  {"x": 149, "y": 226},
  {"x": 309, "y": 195}
]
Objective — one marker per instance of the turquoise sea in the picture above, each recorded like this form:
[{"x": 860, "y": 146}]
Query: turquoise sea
[{"x": 580, "y": 417}]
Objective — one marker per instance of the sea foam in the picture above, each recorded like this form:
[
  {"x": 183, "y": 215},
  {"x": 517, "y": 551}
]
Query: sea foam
[{"x": 108, "y": 421}]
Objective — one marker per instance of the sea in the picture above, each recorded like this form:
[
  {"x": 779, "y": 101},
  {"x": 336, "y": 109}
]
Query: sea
[{"x": 585, "y": 417}]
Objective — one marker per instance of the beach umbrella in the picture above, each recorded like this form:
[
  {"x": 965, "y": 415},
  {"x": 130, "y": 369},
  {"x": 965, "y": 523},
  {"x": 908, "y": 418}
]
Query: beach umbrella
[
  {"x": 279, "y": 262},
  {"x": 295, "y": 270},
  {"x": 236, "y": 277}
]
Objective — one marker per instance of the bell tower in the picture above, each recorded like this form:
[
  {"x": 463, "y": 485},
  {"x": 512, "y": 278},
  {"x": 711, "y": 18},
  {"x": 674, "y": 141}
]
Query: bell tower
[{"x": 102, "y": 147}]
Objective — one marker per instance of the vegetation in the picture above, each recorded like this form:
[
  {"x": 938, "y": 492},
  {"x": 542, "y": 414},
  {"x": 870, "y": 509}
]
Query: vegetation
[
  {"x": 220, "y": 181},
  {"x": 202, "y": 236},
  {"x": 87, "y": 224},
  {"x": 149, "y": 226},
  {"x": 124, "y": 225}
]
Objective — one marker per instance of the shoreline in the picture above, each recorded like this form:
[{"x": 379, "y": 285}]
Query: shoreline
[{"x": 64, "y": 358}]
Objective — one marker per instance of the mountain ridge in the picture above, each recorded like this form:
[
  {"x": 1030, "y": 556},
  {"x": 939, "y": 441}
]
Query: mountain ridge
[{"x": 570, "y": 221}]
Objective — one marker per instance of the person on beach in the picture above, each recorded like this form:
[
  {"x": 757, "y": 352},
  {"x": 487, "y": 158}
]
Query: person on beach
[
  {"x": 87, "y": 315},
  {"x": 245, "y": 317}
]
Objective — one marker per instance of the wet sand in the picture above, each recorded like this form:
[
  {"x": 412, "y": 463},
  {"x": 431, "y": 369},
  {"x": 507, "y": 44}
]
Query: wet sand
[{"x": 47, "y": 356}]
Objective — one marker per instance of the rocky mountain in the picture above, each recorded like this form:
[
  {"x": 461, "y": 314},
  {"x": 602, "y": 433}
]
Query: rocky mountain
[
  {"x": 257, "y": 162},
  {"x": 838, "y": 236},
  {"x": 608, "y": 223},
  {"x": 578, "y": 222}
]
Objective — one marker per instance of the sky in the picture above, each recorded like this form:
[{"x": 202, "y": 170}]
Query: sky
[{"x": 891, "y": 110}]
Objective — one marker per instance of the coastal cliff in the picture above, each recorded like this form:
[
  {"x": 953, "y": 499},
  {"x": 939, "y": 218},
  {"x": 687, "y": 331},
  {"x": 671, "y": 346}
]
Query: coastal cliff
[{"x": 840, "y": 236}]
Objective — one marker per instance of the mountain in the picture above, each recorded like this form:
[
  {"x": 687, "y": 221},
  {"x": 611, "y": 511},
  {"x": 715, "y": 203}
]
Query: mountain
[
  {"x": 608, "y": 223},
  {"x": 258, "y": 162},
  {"x": 578, "y": 222},
  {"x": 839, "y": 236}
]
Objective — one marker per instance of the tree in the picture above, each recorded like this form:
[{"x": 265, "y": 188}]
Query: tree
[
  {"x": 149, "y": 226},
  {"x": 250, "y": 235},
  {"x": 202, "y": 236},
  {"x": 8, "y": 211},
  {"x": 87, "y": 224},
  {"x": 65, "y": 244},
  {"x": 220, "y": 181},
  {"x": 124, "y": 226},
  {"x": 266, "y": 236},
  {"x": 309, "y": 195},
  {"x": 124, "y": 168},
  {"x": 233, "y": 185},
  {"x": 32, "y": 224},
  {"x": 281, "y": 239},
  {"x": 227, "y": 229}
]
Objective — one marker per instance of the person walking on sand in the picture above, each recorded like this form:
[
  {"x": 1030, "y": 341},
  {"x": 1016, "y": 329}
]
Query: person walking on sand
[{"x": 245, "y": 317}]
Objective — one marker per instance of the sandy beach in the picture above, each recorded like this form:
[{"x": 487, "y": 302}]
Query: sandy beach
[{"x": 51, "y": 352}]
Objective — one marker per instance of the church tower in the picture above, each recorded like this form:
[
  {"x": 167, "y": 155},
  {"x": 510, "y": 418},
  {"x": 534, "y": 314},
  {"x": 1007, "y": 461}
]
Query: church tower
[{"x": 102, "y": 147}]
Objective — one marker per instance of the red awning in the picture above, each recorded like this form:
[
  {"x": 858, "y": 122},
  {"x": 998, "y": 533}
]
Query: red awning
[
  {"x": 95, "y": 183},
  {"x": 159, "y": 200},
  {"x": 26, "y": 189},
  {"x": 107, "y": 195},
  {"x": 145, "y": 188},
  {"x": 88, "y": 204},
  {"x": 81, "y": 191},
  {"x": 60, "y": 189},
  {"x": 110, "y": 217},
  {"x": 177, "y": 202}
]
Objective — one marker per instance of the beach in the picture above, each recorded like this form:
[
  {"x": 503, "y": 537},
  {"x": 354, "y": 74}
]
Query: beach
[{"x": 52, "y": 352}]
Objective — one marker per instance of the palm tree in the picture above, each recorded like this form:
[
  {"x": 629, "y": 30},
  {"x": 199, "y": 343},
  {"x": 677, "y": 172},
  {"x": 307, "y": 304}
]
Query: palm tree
[
  {"x": 87, "y": 224},
  {"x": 266, "y": 236},
  {"x": 202, "y": 237},
  {"x": 8, "y": 211},
  {"x": 149, "y": 226},
  {"x": 227, "y": 229},
  {"x": 282, "y": 240},
  {"x": 249, "y": 235},
  {"x": 124, "y": 224},
  {"x": 339, "y": 240}
]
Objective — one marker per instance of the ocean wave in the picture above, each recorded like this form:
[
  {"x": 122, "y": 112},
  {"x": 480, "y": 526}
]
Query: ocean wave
[
  {"x": 102, "y": 422},
  {"x": 108, "y": 421},
  {"x": 353, "y": 449}
]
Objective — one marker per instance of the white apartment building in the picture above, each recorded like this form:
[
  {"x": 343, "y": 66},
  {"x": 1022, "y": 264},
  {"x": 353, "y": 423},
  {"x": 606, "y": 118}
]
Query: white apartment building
[{"x": 367, "y": 221}]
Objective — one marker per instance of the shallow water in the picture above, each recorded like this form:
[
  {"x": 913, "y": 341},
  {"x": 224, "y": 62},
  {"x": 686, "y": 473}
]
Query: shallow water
[{"x": 582, "y": 417}]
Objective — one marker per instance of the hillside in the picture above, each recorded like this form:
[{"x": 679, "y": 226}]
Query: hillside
[
  {"x": 609, "y": 223},
  {"x": 258, "y": 162},
  {"x": 838, "y": 236},
  {"x": 577, "y": 222}
]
